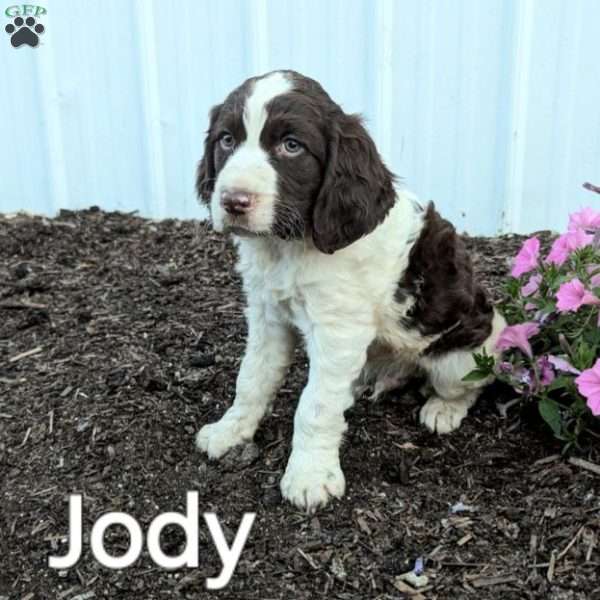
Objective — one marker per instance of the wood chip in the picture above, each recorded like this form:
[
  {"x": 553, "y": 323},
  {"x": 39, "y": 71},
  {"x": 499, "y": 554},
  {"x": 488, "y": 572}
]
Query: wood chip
[
  {"x": 590, "y": 549},
  {"x": 404, "y": 588},
  {"x": 84, "y": 596},
  {"x": 533, "y": 544},
  {"x": 570, "y": 544},
  {"x": 363, "y": 525},
  {"x": 22, "y": 305},
  {"x": 8, "y": 381},
  {"x": 551, "y": 567},
  {"x": 585, "y": 464},
  {"x": 491, "y": 581},
  {"x": 406, "y": 446},
  {"x": 458, "y": 522},
  {"x": 188, "y": 580},
  {"x": 546, "y": 460},
  {"x": 435, "y": 551},
  {"x": 25, "y": 354},
  {"x": 68, "y": 592},
  {"x": 40, "y": 527},
  {"x": 465, "y": 539},
  {"x": 309, "y": 559},
  {"x": 27, "y": 434},
  {"x": 464, "y": 565},
  {"x": 44, "y": 491}
]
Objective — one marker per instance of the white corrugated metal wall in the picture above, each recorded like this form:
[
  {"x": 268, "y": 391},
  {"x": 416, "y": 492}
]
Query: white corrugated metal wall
[{"x": 489, "y": 107}]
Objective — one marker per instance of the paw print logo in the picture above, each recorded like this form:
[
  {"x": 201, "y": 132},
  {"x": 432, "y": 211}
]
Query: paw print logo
[{"x": 24, "y": 32}]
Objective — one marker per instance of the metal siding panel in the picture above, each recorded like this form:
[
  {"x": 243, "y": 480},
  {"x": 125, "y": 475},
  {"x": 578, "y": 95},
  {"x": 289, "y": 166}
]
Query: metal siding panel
[
  {"x": 201, "y": 54},
  {"x": 24, "y": 181},
  {"x": 97, "y": 73},
  {"x": 449, "y": 109},
  {"x": 489, "y": 108},
  {"x": 561, "y": 129},
  {"x": 331, "y": 49}
]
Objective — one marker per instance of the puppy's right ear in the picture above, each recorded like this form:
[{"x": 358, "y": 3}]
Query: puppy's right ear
[
  {"x": 357, "y": 191},
  {"x": 205, "y": 174}
]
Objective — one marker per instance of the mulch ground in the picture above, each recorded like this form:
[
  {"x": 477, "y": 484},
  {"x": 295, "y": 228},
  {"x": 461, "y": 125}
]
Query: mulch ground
[{"x": 120, "y": 337}]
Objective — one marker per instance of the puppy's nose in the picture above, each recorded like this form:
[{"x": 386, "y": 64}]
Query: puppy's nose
[{"x": 236, "y": 202}]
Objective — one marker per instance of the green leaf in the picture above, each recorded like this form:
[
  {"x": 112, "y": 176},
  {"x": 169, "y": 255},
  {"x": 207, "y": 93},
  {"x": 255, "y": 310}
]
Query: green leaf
[
  {"x": 476, "y": 375},
  {"x": 585, "y": 356},
  {"x": 550, "y": 412},
  {"x": 484, "y": 367},
  {"x": 560, "y": 383},
  {"x": 549, "y": 306}
]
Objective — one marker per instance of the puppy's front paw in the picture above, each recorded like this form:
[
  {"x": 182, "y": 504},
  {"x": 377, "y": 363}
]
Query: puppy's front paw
[
  {"x": 311, "y": 479},
  {"x": 217, "y": 438},
  {"x": 443, "y": 416}
]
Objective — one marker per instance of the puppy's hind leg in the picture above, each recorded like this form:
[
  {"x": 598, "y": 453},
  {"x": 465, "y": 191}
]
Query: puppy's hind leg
[
  {"x": 383, "y": 372},
  {"x": 392, "y": 376},
  {"x": 453, "y": 397}
]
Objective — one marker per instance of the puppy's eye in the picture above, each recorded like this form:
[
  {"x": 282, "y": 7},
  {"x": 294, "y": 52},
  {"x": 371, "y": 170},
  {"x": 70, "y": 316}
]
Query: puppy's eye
[
  {"x": 290, "y": 146},
  {"x": 227, "y": 141}
]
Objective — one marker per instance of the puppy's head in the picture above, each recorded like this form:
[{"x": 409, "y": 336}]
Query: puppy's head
[{"x": 282, "y": 159}]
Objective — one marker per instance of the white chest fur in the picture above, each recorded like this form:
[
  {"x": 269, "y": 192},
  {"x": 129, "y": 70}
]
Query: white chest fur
[{"x": 298, "y": 284}]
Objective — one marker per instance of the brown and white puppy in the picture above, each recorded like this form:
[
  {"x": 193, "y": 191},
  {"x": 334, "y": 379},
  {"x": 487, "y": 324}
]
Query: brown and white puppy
[{"x": 329, "y": 248}]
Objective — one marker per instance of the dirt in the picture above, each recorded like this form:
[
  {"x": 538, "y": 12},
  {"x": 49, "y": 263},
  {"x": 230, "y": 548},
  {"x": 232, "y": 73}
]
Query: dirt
[{"x": 120, "y": 337}]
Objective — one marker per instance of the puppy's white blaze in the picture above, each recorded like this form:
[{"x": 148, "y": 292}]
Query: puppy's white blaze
[
  {"x": 255, "y": 111},
  {"x": 249, "y": 168}
]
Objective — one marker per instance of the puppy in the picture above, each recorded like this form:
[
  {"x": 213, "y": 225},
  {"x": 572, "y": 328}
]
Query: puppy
[{"x": 330, "y": 249}]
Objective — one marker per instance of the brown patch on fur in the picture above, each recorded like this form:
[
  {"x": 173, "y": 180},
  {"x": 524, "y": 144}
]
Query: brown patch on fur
[
  {"x": 358, "y": 189},
  {"x": 447, "y": 297},
  {"x": 225, "y": 117},
  {"x": 205, "y": 173}
]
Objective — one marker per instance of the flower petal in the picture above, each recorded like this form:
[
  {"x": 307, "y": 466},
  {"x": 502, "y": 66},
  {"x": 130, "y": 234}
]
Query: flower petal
[
  {"x": 527, "y": 257},
  {"x": 561, "y": 364}
]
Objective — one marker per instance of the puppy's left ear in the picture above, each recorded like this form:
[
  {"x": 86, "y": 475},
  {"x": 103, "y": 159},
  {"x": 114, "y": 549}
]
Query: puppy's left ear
[
  {"x": 357, "y": 191},
  {"x": 205, "y": 173}
]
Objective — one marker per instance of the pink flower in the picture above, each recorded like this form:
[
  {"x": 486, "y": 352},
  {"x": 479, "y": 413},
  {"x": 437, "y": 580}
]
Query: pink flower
[
  {"x": 561, "y": 364},
  {"x": 527, "y": 258},
  {"x": 572, "y": 296},
  {"x": 588, "y": 384},
  {"x": 586, "y": 218},
  {"x": 532, "y": 286},
  {"x": 567, "y": 243},
  {"x": 517, "y": 336},
  {"x": 547, "y": 375}
]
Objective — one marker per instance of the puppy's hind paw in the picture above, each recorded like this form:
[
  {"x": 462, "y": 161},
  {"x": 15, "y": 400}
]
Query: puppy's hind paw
[{"x": 443, "y": 416}]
